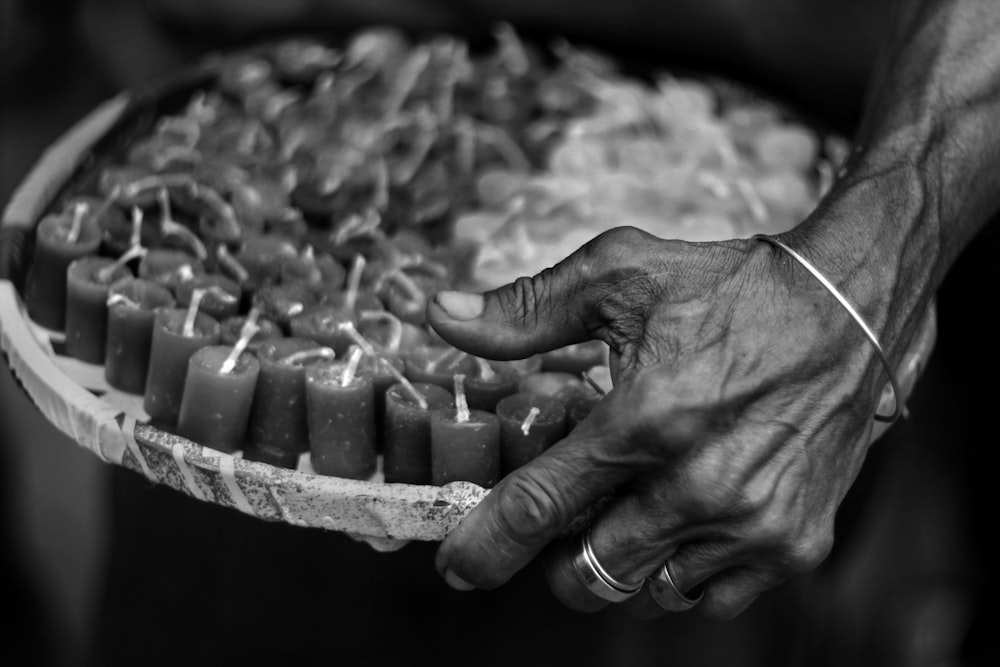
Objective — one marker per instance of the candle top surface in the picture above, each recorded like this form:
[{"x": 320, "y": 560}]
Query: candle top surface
[
  {"x": 185, "y": 289},
  {"x": 517, "y": 406},
  {"x": 172, "y": 319},
  {"x": 283, "y": 301},
  {"x": 276, "y": 351},
  {"x": 435, "y": 395},
  {"x": 56, "y": 227},
  {"x": 266, "y": 329},
  {"x": 169, "y": 265},
  {"x": 323, "y": 318},
  {"x": 212, "y": 357},
  {"x": 88, "y": 268},
  {"x": 146, "y": 294},
  {"x": 477, "y": 418},
  {"x": 331, "y": 374}
]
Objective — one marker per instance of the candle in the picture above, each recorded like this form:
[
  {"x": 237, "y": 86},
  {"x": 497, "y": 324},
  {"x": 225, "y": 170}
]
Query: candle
[
  {"x": 262, "y": 257},
  {"x": 88, "y": 281},
  {"x": 326, "y": 324},
  {"x": 491, "y": 381},
  {"x": 321, "y": 272},
  {"x": 281, "y": 303},
  {"x": 278, "y": 430},
  {"x": 266, "y": 330},
  {"x": 550, "y": 384},
  {"x": 169, "y": 267},
  {"x": 384, "y": 368},
  {"x": 59, "y": 239},
  {"x": 576, "y": 358},
  {"x": 216, "y": 404},
  {"x": 407, "y": 435},
  {"x": 221, "y": 299},
  {"x": 119, "y": 234},
  {"x": 465, "y": 443},
  {"x": 132, "y": 303},
  {"x": 532, "y": 364},
  {"x": 437, "y": 365},
  {"x": 104, "y": 213},
  {"x": 177, "y": 334},
  {"x": 529, "y": 424},
  {"x": 340, "y": 402}
]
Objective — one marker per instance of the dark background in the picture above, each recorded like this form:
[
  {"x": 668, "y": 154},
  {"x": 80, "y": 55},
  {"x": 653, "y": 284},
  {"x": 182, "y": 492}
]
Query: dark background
[{"x": 100, "y": 568}]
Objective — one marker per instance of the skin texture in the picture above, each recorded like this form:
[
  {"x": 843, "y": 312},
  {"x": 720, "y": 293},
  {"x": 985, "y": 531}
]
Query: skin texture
[{"x": 744, "y": 394}]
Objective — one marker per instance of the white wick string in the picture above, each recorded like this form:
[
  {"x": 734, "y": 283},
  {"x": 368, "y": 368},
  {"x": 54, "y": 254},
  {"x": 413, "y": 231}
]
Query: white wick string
[
  {"x": 79, "y": 211},
  {"x": 462, "y": 414},
  {"x": 407, "y": 385},
  {"x": 529, "y": 420},
  {"x": 354, "y": 281},
  {"x": 192, "y": 313},
  {"x": 247, "y": 333},
  {"x": 105, "y": 274},
  {"x": 352, "y": 366}
]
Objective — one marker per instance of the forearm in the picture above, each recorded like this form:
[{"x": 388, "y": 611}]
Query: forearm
[{"x": 925, "y": 174}]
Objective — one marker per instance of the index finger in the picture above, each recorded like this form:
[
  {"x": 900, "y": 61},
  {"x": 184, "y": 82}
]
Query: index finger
[{"x": 535, "y": 504}]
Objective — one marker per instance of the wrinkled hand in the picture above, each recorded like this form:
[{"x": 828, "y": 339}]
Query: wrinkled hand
[{"x": 740, "y": 416}]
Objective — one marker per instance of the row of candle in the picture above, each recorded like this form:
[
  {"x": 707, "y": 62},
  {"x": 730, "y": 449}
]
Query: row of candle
[{"x": 278, "y": 403}]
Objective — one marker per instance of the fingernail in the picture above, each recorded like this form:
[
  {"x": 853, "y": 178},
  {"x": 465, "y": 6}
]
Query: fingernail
[
  {"x": 461, "y": 305},
  {"x": 457, "y": 582}
]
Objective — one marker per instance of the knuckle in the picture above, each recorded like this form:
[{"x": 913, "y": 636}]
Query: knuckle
[
  {"x": 530, "y": 510},
  {"x": 526, "y": 300}
]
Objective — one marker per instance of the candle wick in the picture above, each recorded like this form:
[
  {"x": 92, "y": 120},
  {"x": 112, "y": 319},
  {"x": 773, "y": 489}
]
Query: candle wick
[
  {"x": 307, "y": 355},
  {"x": 354, "y": 281},
  {"x": 411, "y": 290},
  {"x": 462, "y": 415},
  {"x": 140, "y": 185},
  {"x": 76, "y": 226},
  {"x": 352, "y": 366},
  {"x": 116, "y": 299},
  {"x": 108, "y": 202},
  {"x": 359, "y": 340},
  {"x": 192, "y": 313},
  {"x": 486, "y": 371},
  {"x": 395, "y": 326},
  {"x": 166, "y": 215},
  {"x": 593, "y": 383},
  {"x": 220, "y": 294},
  {"x": 137, "y": 216},
  {"x": 226, "y": 259},
  {"x": 529, "y": 420},
  {"x": 452, "y": 356},
  {"x": 247, "y": 333},
  {"x": 104, "y": 275},
  {"x": 407, "y": 385}
]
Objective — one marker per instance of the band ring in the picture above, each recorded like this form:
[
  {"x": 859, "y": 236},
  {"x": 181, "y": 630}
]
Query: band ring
[
  {"x": 666, "y": 593},
  {"x": 596, "y": 579}
]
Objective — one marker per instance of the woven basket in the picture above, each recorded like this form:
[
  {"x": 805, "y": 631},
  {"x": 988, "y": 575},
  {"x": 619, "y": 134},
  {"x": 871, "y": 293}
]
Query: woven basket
[{"x": 75, "y": 399}]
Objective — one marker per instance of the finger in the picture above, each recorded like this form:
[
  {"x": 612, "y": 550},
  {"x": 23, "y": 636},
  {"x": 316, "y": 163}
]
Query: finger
[
  {"x": 536, "y": 503},
  {"x": 726, "y": 593},
  {"x": 563, "y": 579},
  {"x": 566, "y": 304}
]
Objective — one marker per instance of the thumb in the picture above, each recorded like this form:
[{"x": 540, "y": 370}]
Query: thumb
[{"x": 552, "y": 309}]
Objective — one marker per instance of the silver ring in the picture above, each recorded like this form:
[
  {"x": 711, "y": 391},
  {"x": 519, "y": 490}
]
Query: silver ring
[
  {"x": 665, "y": 592},
  {"x": 596, "y": 579}
]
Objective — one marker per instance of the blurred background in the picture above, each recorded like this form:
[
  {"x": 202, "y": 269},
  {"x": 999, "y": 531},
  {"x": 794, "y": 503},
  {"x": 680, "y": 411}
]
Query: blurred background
[{"x": 104, "y": 569}]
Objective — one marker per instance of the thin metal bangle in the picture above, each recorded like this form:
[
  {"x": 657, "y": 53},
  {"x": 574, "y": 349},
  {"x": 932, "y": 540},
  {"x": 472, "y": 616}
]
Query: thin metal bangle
[{"x": 900, "y": 408}]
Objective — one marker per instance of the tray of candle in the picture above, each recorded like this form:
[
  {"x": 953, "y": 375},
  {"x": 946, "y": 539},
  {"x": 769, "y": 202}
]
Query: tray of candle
[{"x": 219, "y": 281}]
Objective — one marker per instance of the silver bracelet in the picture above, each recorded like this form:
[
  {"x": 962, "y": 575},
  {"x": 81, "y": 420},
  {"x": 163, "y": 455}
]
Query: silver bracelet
[{"x": 889, "y": 370}]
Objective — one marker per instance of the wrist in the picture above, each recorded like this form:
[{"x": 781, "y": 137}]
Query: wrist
[{"x": 876, "y": 238}]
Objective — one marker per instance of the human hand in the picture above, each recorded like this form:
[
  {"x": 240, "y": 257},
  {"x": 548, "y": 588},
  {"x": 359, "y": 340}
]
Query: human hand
[{"x": 740, "y": 416}]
